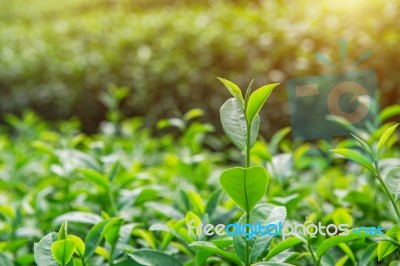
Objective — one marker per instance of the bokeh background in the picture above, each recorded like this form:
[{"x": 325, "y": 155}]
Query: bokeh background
[{"x": 56, "y": 58}]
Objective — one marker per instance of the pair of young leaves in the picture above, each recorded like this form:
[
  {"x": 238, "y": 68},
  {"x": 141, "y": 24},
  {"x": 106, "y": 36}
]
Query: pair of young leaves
[{"x": 240, "y": 121}]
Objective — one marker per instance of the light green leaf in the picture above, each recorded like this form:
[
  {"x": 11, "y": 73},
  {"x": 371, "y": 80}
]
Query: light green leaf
[
  {"x": 42, "y": 250},
  {"x": 392, "y": 181},
  {"x": 234, "y": 90},
  {"x": 63, "y": 250},
  {"x": 79, "y": 245},
  {"x": 246, "y": 186},
  {"x": 385, "y": 137},
  {"x": 282, "y": 246},
  {"x": 111, "y": 230},
  {"x": 154, "y": 258},
  {"x": 389, "y": 112},
  {"x": 235, "y": 125},
  {"x": 336, "y": 240},
  {"x": 214, "y": 249},
  {"x": 63, "y": 232},
  {"x": 355, "y": 156},
  {"x": 257, "y": 100},
  {"x": 385, "y": 247},
  {"x": 266, "y": 214},
  {"x": 363, "y": 144}
]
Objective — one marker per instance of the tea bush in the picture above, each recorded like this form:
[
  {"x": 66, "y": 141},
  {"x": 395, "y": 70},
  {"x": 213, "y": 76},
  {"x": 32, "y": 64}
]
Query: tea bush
[{"x": 125, "y": 197}]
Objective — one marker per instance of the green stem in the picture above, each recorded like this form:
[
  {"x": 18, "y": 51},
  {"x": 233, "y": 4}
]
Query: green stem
[
  {"x": 112, "y": 201},
  {"x": 316, "y": 262},
  {"x": 247, "y": 251},
  {"x": 386, "y": 190}
]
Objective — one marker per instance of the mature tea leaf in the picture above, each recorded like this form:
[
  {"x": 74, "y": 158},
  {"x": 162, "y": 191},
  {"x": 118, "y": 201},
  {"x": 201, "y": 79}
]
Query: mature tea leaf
[
  {"x": 235, "y": 126},
  {"x": 246, "y": 186}
]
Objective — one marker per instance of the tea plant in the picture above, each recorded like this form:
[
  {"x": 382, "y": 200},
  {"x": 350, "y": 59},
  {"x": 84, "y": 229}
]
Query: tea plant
[{"x": 247, "y": 185}]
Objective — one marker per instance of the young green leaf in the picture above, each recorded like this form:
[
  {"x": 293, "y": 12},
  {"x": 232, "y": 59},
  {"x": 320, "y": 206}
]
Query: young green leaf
[
  {"x": 385, "y": 247},
  {"x": 392, "y": 181},
  {"x": 257, "y": 100},
  {"x": 363, "y": 144},
  {"x": 355, "y": 156},
  {"x": 282, "y": 246},
  {"x": 111, "y": 230},
  {"x": 216, "y": 250},
  {"x": 42, "y": 250},
  {"x": 385, "y": 137},
  {"x": 235, "y": 126},
  {"x": 246, "y": 186},
  {"x": 234, "y": 90},
  {"x": 63, "y": 250},
  {"x": 248, "y": 92},
  {"x": 266, "y": 214},
  {"x": 389, "y": 112},
  {"x": 79, "y": 245},
  {"x": 63, "y": 232}
]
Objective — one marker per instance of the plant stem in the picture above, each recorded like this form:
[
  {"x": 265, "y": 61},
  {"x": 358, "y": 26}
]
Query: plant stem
[
  {"x": 386, "y": 190},
  {"x": 316, "y": 262},
  {"x": 247, "y": 251}
]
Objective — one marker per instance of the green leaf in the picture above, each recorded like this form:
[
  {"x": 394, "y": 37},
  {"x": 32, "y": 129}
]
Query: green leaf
[
  {"x": 215, "y": 250},
  {"x": 385, "y": 137},
  {"x": 96, "y": 177},
  {"x": 235, "y": 125},
  {"x": 196, "y": 202},
  {"x": 93, "y": 238},
  {"x": 63, "y": 250},
  {"x": 234, "y": 90},
  {"x": 385, "y": 248},
  {"x": 78, "y": 217},
  {"x": 392, "y": 181},
  {"x": 257, "y": 100},
  {"x": 363, "y": 144},
  {"x": 79, "y": 245},
  {"x": 42, "y": 251},
  {"x": 5, "y": 260},
  {"x": 389, "y": 112},
  {"x": 282, "y": 246},
  {"x": 63, "y": 232},
  {"x": 111, "y": 230},
  {"x": 266, "y": 214},
  {"x": 248, "y": 92},
  {"x": 212, "y": 202},
  {"x": 245, "y": 185},
  {"x": 336, "y": 240},
  {"x": 368, "y": 254},
  {"x": 154, "y": 258},
  {"x": 355, "y": 156}
]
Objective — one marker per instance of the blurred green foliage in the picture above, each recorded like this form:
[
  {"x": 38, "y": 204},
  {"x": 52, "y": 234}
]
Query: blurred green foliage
[{"x": 57, "y": 58}]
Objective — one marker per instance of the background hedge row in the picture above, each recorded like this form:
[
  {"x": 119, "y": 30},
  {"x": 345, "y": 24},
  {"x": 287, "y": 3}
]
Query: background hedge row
[{"x": 56, "y": 58}]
